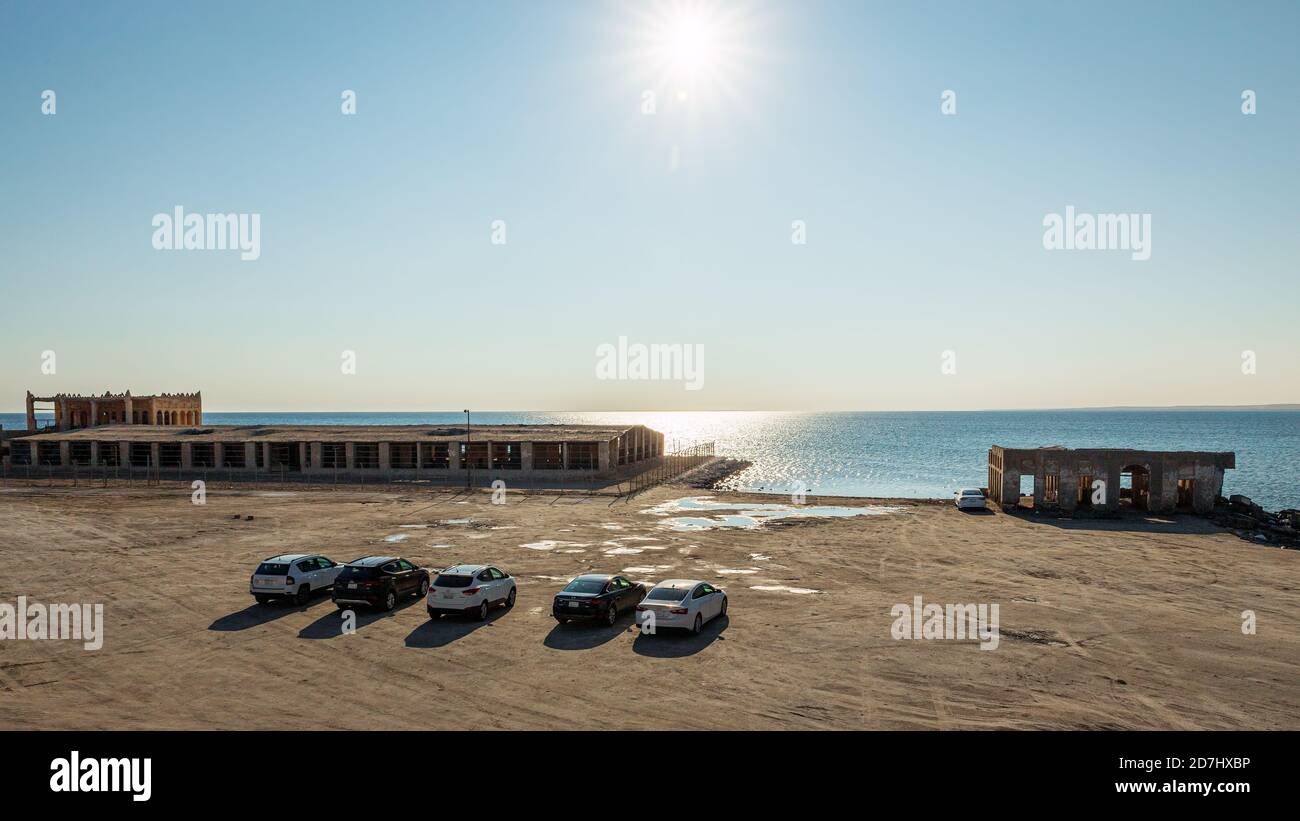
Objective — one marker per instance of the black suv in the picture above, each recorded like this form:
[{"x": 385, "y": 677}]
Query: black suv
[{"x": 379, "y": 581}]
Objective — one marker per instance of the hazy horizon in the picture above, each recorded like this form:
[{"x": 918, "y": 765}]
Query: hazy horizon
[{"x": 1279, "y": 406}]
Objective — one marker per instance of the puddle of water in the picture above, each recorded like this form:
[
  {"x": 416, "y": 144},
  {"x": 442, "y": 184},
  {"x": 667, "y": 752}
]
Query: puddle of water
[
  {"x": 455, "y": 521},
  {"x": 730, "y": 571},
  {"x": 759, "y": 557},
  {"x": 504, "y": 527},
  {"x": 611, "y": 526},
  {"x": 782, "y": 588},
  {"x": 623, "y": 551},
  {"x": 397, "y": 537},
  {"x": 439, "y": 545},
  {"x": 650, "y": 568},
  {"x": 750, "y": 515},
  {"x": 415, "y": 526},
  {"x": 574, "y": 550},
  {"x": 551, "y": 544}
]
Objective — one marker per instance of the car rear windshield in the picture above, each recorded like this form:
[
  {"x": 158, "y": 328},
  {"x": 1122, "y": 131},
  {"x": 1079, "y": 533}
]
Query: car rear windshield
[
  {"x": 972, "y": 493},
  {"x": 272, "y": 569},
  {"x": 585, "y": 586},
  {"x": 350, "y": 573},
  {"x": 667, "y": 594},
  {"x": 445, "y": 580}
]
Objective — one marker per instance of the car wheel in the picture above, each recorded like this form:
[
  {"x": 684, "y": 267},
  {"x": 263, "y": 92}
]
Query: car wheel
[
  {"x": 262, "y": 599},
  {"x": 611, "y": 615},
  {"x": 562, "y": 621},
  {"x": 723, "y": 611},
  {"x": 304, "y": 593},
  {"x": 390, "y": 600},
  {"x": 424, "y": 589},
  {"x": 510, "y": 600},
  {"x": 699, "y": 622},
  {"x": 482, "y": 610},
  {"x": 433, "y": 614}
]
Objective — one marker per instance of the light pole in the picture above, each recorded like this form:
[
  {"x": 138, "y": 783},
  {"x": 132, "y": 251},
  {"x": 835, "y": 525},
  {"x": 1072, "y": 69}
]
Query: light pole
[{"x": 469, "y": 463}]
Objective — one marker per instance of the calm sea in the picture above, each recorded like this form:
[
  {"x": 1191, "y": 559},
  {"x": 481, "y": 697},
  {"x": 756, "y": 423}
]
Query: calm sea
[{"x": 912, "y": 454}]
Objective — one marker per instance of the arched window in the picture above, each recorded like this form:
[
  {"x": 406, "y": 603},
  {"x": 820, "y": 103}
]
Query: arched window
[{"x": 158, "y": 414}]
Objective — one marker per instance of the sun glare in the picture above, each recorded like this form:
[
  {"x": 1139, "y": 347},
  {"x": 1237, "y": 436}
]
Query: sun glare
[
  {"x": 690, "y": 42},
  {"x": 697, "y": 51}
]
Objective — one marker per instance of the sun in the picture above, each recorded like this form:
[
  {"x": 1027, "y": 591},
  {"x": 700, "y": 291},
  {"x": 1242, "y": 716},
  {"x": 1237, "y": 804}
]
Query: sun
[
  {"x": 690, "y": 42},
  {"x": 696, "y": 51}
]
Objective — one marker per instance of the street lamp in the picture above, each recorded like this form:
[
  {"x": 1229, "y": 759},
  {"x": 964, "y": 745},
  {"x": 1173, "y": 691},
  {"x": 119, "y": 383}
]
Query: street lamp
[{"x": 469, "y": 463}]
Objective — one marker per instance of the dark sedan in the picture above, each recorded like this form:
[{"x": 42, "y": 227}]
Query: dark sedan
[
  {"x": 379, "y": 581},
  {"x": 596, "y": 597}
]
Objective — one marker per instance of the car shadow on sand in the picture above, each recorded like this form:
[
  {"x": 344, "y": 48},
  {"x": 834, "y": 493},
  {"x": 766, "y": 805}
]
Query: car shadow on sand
[
  {"x": 259, "y": 614},
  {"x": 330, "y": 625},
  {"x": 444, "y": 630},
  {"x": 583, "y": 635},
  {"x": 676, "y": 644}
]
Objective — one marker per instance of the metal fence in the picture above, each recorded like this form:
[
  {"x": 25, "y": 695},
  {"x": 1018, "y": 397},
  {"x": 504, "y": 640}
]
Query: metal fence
[{"x": 667, "y": 467}]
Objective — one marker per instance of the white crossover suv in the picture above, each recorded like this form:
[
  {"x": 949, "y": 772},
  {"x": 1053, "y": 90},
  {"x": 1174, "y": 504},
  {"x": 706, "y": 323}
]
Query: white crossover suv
[
  {"x": 292, "y": 576},
  {"x": 685, "y": 604},
  {"x": 969, "y": 498},
  {"x": 470, "y": 589}
]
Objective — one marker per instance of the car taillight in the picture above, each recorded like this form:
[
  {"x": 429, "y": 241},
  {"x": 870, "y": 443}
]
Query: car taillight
[
  {"x": 680, "y": 611},
  {"x": 288, "y": 580},
  {"x": 469, "y": 591}
]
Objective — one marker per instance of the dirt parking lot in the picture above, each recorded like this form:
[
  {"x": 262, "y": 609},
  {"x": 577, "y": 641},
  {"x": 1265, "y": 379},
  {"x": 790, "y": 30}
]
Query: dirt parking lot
[{"x": 1133, "y": 624}]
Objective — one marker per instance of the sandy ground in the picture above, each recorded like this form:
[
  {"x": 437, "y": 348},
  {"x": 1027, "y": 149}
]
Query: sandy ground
[{"x": 1128, "y": 624}]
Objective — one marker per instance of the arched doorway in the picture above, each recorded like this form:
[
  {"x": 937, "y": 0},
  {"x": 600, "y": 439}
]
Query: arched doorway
[{"x": 1135, "y": 487}]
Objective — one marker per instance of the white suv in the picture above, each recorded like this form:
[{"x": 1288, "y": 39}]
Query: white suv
[
  {"x": 470, "y": 589},
  {"x": 292, "y": 576}
]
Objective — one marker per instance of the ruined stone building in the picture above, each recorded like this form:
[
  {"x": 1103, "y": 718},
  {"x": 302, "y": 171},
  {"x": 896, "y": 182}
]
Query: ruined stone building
[
  {"x": 1070, "y": 479},
  {"x": 76, "y": 411}
]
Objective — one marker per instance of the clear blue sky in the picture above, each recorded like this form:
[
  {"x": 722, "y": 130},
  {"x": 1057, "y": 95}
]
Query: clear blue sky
[{"x": 924, "y": 230}]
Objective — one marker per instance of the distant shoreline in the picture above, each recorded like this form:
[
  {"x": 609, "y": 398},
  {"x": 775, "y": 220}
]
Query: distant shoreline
[{"x": 1116, "y": 408}]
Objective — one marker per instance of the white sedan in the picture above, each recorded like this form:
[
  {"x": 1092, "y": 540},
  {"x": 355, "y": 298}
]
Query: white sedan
[
  {"x": 686, "y": 604},
  {"x": 969, "y": 498}
]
